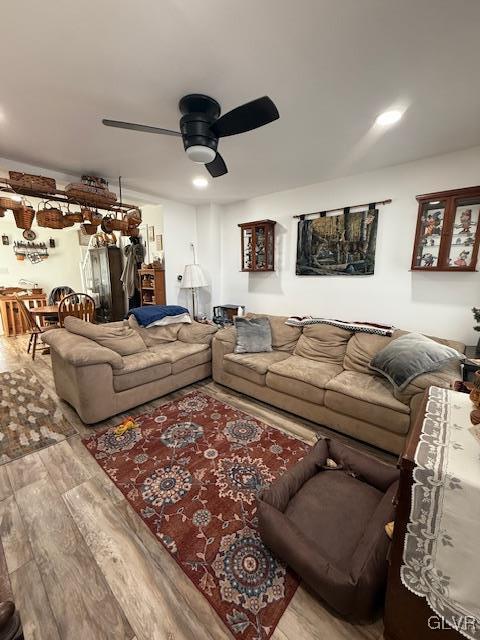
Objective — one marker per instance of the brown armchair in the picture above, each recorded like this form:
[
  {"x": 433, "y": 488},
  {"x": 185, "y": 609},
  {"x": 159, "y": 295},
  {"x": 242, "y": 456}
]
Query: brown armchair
[{"x": 328, "y": 524}]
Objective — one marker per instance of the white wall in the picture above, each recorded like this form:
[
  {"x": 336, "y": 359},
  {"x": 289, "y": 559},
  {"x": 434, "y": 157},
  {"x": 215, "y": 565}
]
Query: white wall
[
  {"x": 179, "y": 224},
  {"x": 434, "y": 303},
  {"x": 61, "y": 268},
  {"x": 209, "y": 255}
]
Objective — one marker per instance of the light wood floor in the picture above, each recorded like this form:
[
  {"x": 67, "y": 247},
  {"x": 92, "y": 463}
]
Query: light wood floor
[{"x": 83, "y": 566}]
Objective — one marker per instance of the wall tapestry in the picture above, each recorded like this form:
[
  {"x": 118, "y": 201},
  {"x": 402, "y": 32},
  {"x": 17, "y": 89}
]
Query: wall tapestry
[{"x": 339, "y": 244}]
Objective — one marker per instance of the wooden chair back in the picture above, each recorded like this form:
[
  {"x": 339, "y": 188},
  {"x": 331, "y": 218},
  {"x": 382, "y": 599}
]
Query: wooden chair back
[
  {"x": 27, "y": 317},
  {"x": 79, "y": 305}
]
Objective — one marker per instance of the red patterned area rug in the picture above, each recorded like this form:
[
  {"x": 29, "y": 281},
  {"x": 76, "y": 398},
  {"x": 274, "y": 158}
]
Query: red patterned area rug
[{"x": 191, "y": 471}]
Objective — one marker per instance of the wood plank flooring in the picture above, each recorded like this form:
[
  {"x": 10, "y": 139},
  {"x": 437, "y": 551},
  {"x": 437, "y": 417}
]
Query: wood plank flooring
[{"x": 82, "y": 565}]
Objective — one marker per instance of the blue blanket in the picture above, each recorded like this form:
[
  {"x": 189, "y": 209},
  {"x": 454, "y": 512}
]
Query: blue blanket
[{"x": 151, "y": 313}]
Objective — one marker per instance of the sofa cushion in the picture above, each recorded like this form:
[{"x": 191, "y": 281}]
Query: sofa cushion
[
  {"x": 155, "y": 335},
  {"x": 317, "y": 374},
  {"x": 284, "y": 337},
  {"x": 367, "y": 388},
  {"x": 295, "y": 388},
  {"x": 252, "y": 366},
  {"x": 361, "y": 348},
  {"x": 119, "y": 338},
  {"x": 197, "y": 332},
  {"x": 323, "y": 343},
  {"x": 140, "y": 368},
  {"x": 368, "y": 398},
  {"x": 183, "y": 355},
  {"x": 301, "y": 378}
]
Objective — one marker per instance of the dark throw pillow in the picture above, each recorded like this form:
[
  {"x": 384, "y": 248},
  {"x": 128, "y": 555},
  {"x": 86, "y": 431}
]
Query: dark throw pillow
[
  {"x": 254, "y": 335},
  {"x": 407, "y": 357}
]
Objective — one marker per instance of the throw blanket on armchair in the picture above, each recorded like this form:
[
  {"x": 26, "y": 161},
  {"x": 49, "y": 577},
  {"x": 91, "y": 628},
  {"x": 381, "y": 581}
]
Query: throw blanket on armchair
[
  {"x": 151, "y": 313},
  {"x": 362, "y": 327}
]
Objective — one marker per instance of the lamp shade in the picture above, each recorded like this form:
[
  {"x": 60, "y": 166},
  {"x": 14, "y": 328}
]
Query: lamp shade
[{"x": 193, "y": 277}]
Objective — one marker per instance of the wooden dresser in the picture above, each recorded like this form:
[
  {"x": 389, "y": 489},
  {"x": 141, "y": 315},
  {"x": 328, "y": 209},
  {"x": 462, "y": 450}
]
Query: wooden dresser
[
  {"x": 406, "y": 614},
  {"x": 12, "y": 322}
]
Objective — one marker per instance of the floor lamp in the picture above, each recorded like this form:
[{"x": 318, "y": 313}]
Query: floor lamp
[{"x": 193, "y": 278}]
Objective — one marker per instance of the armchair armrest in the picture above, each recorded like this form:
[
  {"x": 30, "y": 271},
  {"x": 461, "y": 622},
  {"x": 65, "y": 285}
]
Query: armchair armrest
[
  {"x": 197, "y": 333},
  {"x": 80, "y": 351}
]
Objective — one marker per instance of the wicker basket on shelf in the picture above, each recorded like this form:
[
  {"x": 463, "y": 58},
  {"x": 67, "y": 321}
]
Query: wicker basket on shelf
[
  {"x": 91, "y": 216},
  {"x": 134, "y": 217},
  {"x": 131, "y": 232},
  {"x": 9, "y": 203},
  {"x": 89, "y": 195},
  {"x": 50, "y": 217},
  {"x": 67, "y": 221},
  {"x": 88, "y": 229},
  {"x": 73, "y": 217},
  {"x": 24, "y": 216},
  {"x": 32, "y": 182},
  {"x": 117, "y": 224}
]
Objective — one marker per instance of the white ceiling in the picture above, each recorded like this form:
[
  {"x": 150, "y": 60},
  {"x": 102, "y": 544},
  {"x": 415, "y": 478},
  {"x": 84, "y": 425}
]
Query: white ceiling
[{"x": 330, "y": 66}]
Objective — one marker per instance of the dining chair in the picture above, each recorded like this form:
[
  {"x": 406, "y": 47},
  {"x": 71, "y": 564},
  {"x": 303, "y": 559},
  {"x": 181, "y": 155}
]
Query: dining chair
[
  {"x": 32, "y": 328},
  {"x": 54, "y": 297},
  {"x": 79, "y": 305}
]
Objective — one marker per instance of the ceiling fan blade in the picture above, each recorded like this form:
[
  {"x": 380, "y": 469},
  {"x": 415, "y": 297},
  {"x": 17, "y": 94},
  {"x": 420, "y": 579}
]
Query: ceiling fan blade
[
  {"x": 217, "y": 167},
  {"x": 248, "y": 116},
  {"x": 140, "y": 127}
]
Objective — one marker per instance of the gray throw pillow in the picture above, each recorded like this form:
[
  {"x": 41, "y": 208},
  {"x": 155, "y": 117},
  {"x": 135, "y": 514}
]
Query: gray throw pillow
[
  {"x": 254, "y": 335},
  {"x": 407, "y": 357}
]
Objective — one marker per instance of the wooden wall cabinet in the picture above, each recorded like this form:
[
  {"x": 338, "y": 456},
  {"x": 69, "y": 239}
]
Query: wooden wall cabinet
[
  {"x": 258, "y": 245},
  {"x": 448, "y": 231},
  {"x": 152, "y": 286}
]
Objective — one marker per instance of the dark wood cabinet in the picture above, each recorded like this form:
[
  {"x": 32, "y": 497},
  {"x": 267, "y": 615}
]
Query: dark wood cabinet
[
  {"x": 407, "y": 615},
  {"x": 258, "y": 245},
  {"x": 152, "y": 286},
  {"x": 448, "y": 231}
]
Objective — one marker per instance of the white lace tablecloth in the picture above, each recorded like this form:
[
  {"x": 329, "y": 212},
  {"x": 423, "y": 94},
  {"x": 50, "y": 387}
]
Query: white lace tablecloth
[{"x": 441, "y": 558}]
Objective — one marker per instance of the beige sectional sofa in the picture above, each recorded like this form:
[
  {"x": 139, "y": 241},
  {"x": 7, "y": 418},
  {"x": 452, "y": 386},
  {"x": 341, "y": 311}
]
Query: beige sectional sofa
[
  {"x": 321, "y": 373},
  {"x": 137, "y": 366}
]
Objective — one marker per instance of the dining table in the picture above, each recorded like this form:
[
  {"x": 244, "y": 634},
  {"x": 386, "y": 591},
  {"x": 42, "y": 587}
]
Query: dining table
[{"x": 47, "y": 311}]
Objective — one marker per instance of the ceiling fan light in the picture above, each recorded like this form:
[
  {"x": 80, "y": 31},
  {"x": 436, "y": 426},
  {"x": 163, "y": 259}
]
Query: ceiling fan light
[{"x": 199, "y": 153}]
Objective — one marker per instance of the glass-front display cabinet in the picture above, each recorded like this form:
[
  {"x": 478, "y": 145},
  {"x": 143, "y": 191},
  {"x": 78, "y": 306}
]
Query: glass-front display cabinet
[
  {"x": 447, "y": 235},
  {"x": 258, "y": 245}
]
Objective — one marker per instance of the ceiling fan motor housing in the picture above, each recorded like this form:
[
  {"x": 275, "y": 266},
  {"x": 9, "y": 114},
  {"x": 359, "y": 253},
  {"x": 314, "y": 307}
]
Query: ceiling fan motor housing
[{"x": 199, "y": 112}]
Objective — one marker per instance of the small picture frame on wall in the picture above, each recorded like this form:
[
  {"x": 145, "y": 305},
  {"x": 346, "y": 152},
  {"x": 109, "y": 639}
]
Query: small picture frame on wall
[
  {"x": 151, "y": 234},
  {"x": 5, "y": 240}
]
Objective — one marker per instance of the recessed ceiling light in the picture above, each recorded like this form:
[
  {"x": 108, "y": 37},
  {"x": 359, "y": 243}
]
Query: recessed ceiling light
[
  {"x": 389, "y": 117},
  {"x": 200, "y": 182}
]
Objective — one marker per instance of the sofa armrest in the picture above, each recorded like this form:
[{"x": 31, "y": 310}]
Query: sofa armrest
[
  {"x": 444, "y": 378},
  {"x": 197, "y": 333},
  {"x": 227, "y": 335},
  {"x": 80, "y": 351},
  {"x": 280, "y": 492}
]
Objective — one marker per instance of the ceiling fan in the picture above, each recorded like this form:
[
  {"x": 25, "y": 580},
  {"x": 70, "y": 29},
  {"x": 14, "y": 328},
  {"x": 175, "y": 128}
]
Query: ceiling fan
[{"x": 201, "y": 126}]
